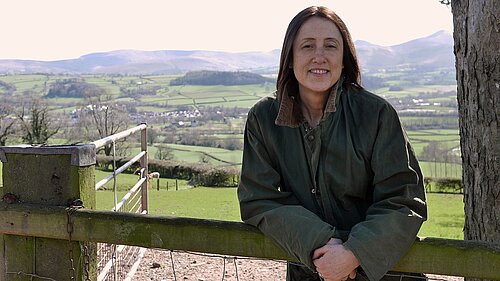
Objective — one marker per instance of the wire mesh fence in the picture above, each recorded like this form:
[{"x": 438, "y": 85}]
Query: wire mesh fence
[
  {"x": 165, "y": 265},
  {"x": 116, "y": 261},
  {"x": 120, "y": 262}
]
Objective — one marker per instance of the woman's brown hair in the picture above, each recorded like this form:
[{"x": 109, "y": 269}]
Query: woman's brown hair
[{"x": 287, "y": 83}]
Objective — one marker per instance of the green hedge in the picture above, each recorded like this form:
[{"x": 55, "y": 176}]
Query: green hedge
[
  {"x": 202, "y": 174},
  {"x": 444, "y": 185}
]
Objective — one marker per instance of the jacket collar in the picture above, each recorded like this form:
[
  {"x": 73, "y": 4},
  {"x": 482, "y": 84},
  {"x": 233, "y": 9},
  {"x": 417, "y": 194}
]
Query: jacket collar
[{"x": 289, "y": 113}]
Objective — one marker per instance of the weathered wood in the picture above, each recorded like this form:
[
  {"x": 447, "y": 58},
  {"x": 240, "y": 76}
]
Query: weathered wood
[
  {"x": 438, "y": 256},
  {"x": 46, "y": 179},
  {"x": 2, "y": 254},
  {"x": 14, "y": 262},
  {"x": 453, "y": 257}
]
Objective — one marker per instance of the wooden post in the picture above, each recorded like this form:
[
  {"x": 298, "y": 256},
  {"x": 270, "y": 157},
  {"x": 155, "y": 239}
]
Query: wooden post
[
  {"x": 52, "y": 176},
  {"x": 176, "y": 185}
]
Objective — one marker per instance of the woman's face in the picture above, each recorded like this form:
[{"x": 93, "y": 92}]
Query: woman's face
[{"x": 317, "y": 56}]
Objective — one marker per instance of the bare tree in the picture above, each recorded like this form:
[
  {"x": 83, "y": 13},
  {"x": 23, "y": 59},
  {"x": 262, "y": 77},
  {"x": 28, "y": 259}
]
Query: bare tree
[
  {"x": 36, "y": 123},
  {"x": 432, "y": 153},
  {"x": 6, "y": 123},
  {"x": 476, "y": 35},
  {"x": 101, "y": 117},
  {"x": 152, "y": 135},
  {"x": 163, "y": 152}
]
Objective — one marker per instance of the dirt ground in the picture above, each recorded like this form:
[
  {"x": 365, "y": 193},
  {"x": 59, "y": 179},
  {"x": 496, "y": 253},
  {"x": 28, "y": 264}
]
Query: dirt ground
[{"x": 157, "y": 265}]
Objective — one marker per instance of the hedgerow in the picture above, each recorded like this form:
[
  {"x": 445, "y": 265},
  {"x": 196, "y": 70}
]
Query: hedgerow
[
  {"x": 444, "y": 185},
  {"x": 202, "y": 174}
]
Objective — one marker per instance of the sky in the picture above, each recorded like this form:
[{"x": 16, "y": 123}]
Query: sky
[{"x": 65, "y": 29}]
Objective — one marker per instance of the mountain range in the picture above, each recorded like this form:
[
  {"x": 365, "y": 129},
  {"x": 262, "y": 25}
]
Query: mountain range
[{"x": 431, "y": 52}]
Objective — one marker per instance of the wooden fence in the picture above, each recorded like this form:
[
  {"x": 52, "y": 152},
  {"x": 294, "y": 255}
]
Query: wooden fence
[{"x": 40, "y": 235}]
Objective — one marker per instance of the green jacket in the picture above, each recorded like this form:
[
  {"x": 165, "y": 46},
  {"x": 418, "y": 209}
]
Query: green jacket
[{"x": 354, "y": 177}]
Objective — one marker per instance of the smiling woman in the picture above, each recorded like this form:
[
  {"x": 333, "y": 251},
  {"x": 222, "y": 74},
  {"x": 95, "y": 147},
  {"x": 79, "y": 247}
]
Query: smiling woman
[
  {"x": 327, "y": 171},
  {"x": 317, "y": 65}
]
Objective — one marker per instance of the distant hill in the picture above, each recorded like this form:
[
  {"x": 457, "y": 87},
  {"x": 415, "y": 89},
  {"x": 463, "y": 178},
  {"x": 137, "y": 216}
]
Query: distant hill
[
  {"x": 428, "y": 53},
  {"x": 431, "y": 52},
  {"x": 225, "y": 78}
]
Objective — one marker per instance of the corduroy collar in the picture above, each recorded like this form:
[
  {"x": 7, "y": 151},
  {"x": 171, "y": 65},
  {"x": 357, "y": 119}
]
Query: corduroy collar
[{"x": 289, "y": 113}]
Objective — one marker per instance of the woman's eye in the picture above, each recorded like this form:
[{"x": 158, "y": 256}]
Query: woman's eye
[
  {"x": 306, "y": 46},
  {"x": 331, "y": 46}
]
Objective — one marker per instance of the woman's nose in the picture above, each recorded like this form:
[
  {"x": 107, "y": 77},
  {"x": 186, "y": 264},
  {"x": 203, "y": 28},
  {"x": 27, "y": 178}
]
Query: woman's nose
[{"x": 319, "y": 55}]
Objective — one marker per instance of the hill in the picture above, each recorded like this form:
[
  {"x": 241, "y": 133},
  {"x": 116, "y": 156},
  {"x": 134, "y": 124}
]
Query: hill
[{"x": 429, "y": 53}]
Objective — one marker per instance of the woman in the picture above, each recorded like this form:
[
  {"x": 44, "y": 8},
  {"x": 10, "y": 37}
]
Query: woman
[{"x": 328, "y": 172}]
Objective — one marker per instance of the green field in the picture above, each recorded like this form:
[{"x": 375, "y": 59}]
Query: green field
[
  {"x": 166, "y": 96},
  {"x": 125, "y": 181},
  {"x": 193, "y": 95},
  {"x": 441, "y": 170},
  {"x": 419, "y": 139},
  {"x": 445, "y": 218}
]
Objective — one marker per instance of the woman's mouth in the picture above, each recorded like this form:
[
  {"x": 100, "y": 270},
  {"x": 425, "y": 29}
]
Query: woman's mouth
[{"x": 318, "y": 71}]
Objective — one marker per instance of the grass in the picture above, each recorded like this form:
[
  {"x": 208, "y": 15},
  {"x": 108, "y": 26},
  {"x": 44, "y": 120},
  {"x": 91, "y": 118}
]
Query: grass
[
  {"x": 445, "y": 217},
  {"x": 125, "y": 181},
  {"x": 193, "y": 154},
  {"x": 445, "y": 210},
  {"x": 200, "y": 202}
]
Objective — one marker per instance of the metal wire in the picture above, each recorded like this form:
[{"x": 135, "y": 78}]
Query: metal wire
[
  {"x": 223, "y": 268},
  {"x": 402, "y": 276},
  {"x": 236, "y": 269},
  {"x": 173, "y": 266},
  {"x": 30, "y": 275},
  {"x": 114, "y": 260}
]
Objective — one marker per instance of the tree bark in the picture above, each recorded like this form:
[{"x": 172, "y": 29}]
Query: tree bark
[{"x": 477, "y": 51}]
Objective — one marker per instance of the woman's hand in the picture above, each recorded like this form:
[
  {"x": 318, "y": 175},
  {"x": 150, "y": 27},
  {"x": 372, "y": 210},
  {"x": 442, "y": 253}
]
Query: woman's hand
[{"x": 334, "y": 262}]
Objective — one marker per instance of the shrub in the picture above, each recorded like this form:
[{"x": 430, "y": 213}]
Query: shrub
[
  {"x": 215, "y": 177},
  {"x": 444, "y": 185}
]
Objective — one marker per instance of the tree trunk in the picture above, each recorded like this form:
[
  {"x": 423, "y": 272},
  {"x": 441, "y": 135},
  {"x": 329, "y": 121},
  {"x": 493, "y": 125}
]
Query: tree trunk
[{"x": 477, "y": 44}]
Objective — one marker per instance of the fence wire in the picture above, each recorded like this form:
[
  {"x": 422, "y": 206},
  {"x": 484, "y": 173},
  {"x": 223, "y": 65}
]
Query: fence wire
[
  {"x": 120, "y": 262},
  {"x": 173, "y": 265},
  {"x": 116, "y": 261}
]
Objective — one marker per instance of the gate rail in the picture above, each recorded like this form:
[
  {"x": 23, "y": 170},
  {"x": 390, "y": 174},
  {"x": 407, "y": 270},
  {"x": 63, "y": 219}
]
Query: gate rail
[{"x": 430, "y": 255}]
